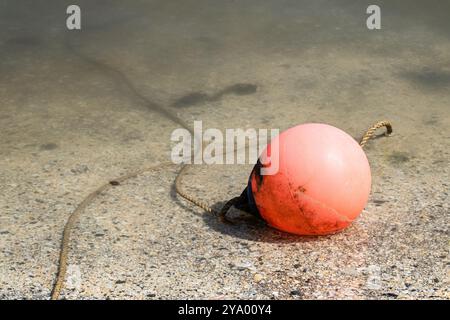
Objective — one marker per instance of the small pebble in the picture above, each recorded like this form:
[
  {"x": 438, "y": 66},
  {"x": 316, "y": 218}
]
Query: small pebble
[
  {"x": 257, "y": 277},
  {"x": 295, "y": 293}
]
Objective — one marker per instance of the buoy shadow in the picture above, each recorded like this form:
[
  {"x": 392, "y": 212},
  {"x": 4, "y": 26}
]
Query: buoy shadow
[
  {"x": 244, "y": 225},
  {"x": 248, "y": 227}
]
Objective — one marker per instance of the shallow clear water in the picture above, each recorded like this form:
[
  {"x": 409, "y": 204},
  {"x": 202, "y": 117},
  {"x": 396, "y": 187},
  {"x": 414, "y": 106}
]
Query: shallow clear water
[{"x": 80, "y": 107}]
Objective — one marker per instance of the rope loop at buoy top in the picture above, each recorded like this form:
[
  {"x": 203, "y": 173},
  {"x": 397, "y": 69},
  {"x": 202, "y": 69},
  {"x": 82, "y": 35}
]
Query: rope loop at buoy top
[{"x": 371, "y": 131}]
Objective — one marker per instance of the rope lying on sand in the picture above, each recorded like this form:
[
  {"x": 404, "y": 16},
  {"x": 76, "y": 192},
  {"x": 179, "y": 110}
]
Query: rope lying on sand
[{"x": 73, "y": 217}]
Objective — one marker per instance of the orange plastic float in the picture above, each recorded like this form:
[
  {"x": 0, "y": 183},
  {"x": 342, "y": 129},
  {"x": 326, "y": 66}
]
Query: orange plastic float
[{"x": 322, "y": 185}]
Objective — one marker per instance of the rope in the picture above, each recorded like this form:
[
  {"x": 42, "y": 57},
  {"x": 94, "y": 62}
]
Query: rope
[
  {"x": 63, "y": 257},
  {"x": 64, "y": 251},
  {"x": 73, "y": 217},
  {"x": 371, "y": 131},
  {"x": 223, "y": 211}
]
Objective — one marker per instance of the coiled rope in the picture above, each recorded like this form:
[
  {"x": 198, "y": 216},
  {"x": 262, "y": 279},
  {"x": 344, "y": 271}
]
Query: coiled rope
[
  {"x": 142, "y": 100},
  {"x": 63, "y": 257}
]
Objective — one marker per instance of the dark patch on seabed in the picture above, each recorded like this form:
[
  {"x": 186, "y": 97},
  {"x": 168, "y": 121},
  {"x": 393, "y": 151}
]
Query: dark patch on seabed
[
  {"x": 429, "y": 78},
  {"x": 48, "y": 146},
  {"x": 398, "y": 157},
  {"x": 193, "y": 98},
  {"x": 379, "y": 202},
  {"x": 240, "y": 89},
  {"x": 23, "y": 41}
]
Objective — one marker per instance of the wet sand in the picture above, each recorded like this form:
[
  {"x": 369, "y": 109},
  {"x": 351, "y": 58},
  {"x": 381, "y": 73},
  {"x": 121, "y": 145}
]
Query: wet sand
[{"x": 81, "y": 108}]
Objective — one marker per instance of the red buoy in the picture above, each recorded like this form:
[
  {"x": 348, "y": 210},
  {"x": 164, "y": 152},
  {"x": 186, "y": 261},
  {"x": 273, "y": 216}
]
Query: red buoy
[{"x": 322, "y": 184}]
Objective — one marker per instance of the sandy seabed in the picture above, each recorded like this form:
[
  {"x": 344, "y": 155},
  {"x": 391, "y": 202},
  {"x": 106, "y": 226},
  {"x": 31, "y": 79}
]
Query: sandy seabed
[{"x": 79, "y": 108}]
